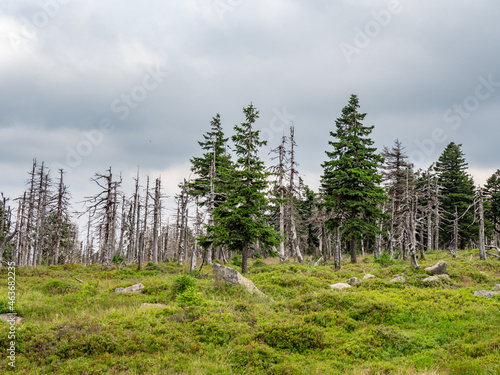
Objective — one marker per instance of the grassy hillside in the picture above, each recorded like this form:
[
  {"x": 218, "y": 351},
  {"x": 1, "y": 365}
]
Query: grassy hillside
[{"x": 300, "y": 327}]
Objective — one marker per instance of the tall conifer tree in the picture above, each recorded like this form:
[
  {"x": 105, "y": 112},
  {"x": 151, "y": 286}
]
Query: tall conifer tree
[
  {"x": 240, "y": 220},
  {"x": 351, "y": 181},
  {"x": 457, "y": 197}
]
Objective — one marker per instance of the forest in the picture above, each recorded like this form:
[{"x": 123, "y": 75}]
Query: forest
[{"x": 369, "y": 202}]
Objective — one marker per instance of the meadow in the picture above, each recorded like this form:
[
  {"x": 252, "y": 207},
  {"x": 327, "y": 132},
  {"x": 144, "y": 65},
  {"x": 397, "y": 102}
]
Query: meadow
[{"x": 300, "y": 326}]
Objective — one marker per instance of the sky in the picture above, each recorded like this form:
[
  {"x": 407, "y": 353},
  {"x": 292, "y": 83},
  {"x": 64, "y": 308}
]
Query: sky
[{"x": 88, "y": 85}]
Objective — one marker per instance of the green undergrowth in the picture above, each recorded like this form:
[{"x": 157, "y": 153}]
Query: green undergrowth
[{"x": 300, "y": 326}]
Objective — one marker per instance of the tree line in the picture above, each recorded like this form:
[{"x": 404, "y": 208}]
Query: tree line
[{"x": 368, "y": 202}]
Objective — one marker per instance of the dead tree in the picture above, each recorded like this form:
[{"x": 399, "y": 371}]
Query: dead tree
[
  {"x": 280, "y": 171},
  {"x": 5, "y": 225},
  {"x": 182, "y": 213},
  {"x": 482, "y": 248},
  {"x": 156, "y": 218},
  {"x": 294, "y": 240},
  {"x": 102, "y": 210}
]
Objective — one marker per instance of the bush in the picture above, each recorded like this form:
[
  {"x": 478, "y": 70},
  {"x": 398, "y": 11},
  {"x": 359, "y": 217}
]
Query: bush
[
  {"x": 117, "y": 259},
  {"x": 294, "y": 337},
  {"x": 385, "y": 260},
  {"x": 190, "y": 297},
  {"x": 60, "y": 287},
  {"x": 236, "y": 260},
  {"x": 182, "y": 283},
  {"x": 257, "y": 256}
]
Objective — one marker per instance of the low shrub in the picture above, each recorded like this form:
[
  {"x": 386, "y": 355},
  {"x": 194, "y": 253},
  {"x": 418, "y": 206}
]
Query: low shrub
[{"x": 294, "y": 337}]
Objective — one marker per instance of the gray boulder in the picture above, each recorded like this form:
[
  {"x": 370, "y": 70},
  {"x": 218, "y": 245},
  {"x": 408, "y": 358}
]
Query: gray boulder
[
  {"x": 444, "y": 276},
  {"x": 137, "y": 288},
  {"x": 438, "y": 269},
  {"x": 354, "y": 281},
  {"x": 485, "y": 293},
  {"x": 340, "y": 286},
  {"x": 368, "y": 276},
  {"x": 233, "y": 277},
  {"x": 9, "y": 317},
  {"x": 398, "y": 279},
  {"x": 431, "y": 279}
]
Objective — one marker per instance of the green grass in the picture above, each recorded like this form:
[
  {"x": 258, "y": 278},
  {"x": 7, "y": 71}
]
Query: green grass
[{"x": 301, "y": 326}]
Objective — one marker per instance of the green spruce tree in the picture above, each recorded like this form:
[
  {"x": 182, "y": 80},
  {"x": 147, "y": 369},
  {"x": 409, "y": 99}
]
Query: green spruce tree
[
  {"x": 240, "y": 220},
  {"x": 351, "y": 181},
  {"x": 457, "y": 197},
  {"x": 492, "y": 204},
  {"x": 215, "y": 156}
]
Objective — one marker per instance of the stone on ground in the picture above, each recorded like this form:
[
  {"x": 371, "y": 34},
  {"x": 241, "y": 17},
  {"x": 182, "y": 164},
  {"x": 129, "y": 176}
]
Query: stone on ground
[
  {"x": 340, "y": 286},
  {"x": 354, "y": 281},
  {"x": 10, "y": 317},
  {"x": 485, "y": 293},
  {"x": 368, "y": 276},
  {"x": 431, "y": 279},
  {"x": 137, "y": 288},
  {"x": 496, "y": 287},
  {"x": 438, "y": 269},
  {"x": 233, "y": 277},
  {"x": 398, "y": 279}
]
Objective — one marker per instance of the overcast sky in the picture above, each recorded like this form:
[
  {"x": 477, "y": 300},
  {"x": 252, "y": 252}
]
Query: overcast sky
[{"x": 85, "y": 85}]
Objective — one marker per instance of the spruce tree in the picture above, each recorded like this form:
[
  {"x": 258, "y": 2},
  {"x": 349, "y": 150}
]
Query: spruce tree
[
  {"x": 240, "y": 220},
  {"x": 351, "y": 182},
  {"x": 492, "y": 204},
  {"x": 215, "y": 153},
  {"x": 457, "y": 196}
]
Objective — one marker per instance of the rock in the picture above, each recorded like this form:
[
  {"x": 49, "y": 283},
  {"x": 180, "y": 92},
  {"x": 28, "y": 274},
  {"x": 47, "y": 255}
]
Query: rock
[
  {"x": 398, "y": 279},
  {"x": 496, "y": 287},
  {"x": 485, "y": 293},
  {"x": 438, "y": 269},
  {"x": 340, "y": 286},
  {"x": 368, "y": 276},
  {"x": 9, "y": 317},
  {"x": 354, "y": 281},
  {"x": 233, "y": 277},
  {"x": 137, "y": 288},
  {"x": 153, "y": 305},
  {"x": 431, "y": 279},
  {"x": 444, "y": 276}
]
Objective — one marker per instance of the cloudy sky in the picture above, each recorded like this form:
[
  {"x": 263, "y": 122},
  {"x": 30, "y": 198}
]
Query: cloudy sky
[{"x": 85, "y": 85}]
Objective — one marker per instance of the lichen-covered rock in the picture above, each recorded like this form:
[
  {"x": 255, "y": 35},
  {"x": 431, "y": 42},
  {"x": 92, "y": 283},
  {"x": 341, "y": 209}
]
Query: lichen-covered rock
[
  {"x": 485, "y": 293},
  {"x": 431, "y": 279},
  {"x": 368, "y": 276},
  {"x": 10, "y": 318},
  {"x": 153, "y": 305},
  {"x": 438, "y": 269},
  {"x": 354, "y": 281},
  {"x": 398, "y": 279},
  {"x": 233, "y": 277},
  {"x": 137, "y": 288},
  {"x": 340, "y": 286},
  {"x": 444, "y": 276}
]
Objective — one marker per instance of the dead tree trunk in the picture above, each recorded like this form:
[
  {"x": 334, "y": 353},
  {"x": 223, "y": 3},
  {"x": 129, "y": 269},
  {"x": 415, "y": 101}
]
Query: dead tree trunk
[
  {"x": 482, "y": 248},
  {"x": 156, "y": 219}
]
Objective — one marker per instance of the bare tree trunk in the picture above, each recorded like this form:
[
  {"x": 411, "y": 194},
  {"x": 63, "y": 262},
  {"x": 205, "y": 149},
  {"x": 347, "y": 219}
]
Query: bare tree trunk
[
  {"x": 352, "y": 245},
  {"x": 482, "y": 249},
  {"x": 337, "y": 249},
  {"x": 436, "y": 217},
  {"x": 455, "y": 234},
  {"x": 156, "y": 219},
  {"x": 145, "y": 224}
]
